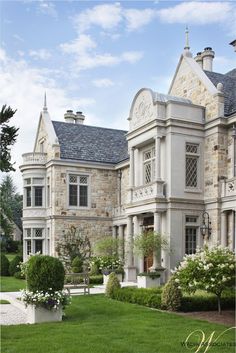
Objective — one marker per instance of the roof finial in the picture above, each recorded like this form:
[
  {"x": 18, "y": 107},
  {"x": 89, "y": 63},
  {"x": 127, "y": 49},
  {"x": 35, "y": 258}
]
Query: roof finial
[
  {"x": 186, "y": 39},
  {"x": 45, "y": 103}
]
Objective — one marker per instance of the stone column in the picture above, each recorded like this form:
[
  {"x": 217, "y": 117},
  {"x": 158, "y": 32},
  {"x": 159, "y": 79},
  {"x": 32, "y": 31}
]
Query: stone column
[
  {"x": 158, "y": 157},
  {"x": 130, "y": 270},
  {"x": 121, "y": 242},
  {"x": 131, "y": 168},
  {"x": 136, "y": 232},
  {"x": 157, "y": 229},
  {"x": 224, "y": 229}
]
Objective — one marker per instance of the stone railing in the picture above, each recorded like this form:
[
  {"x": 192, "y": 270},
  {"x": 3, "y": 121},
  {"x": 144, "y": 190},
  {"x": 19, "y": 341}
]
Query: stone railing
[
  {"x": 118, "y": 211},
  {"x": 34, "y": 158},
  {"x": 149, "y": 191},
  {"x": 228, "y": 187}
]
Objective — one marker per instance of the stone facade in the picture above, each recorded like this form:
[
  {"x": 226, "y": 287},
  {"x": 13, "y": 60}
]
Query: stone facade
[{"x": 179, "y": 165}]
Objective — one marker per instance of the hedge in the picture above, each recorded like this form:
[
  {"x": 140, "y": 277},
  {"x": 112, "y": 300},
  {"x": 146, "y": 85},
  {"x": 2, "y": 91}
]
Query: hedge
[
  {"x": 96, "y": 279},
  {"x": 201, "y": 301}
]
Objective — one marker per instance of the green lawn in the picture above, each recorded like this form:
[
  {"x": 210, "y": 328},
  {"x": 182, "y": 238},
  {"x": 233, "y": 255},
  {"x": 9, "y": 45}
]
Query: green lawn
[
  {"x": 95, "y": 324},
  {"x": 11, "y": 284}
]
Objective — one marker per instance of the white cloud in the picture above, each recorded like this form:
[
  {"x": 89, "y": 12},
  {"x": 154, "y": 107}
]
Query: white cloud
[
  {"x": 106, "y": 16},
  {"x": 223, "y": 64},
  {"x": 42, "y": 54},
  {"x": 17, "y": 37},
  {"x": 196, "y": 13},
  {"x": 22, "y": 87},
  {"x": 47, "y": 8},
  {"x": 86, "y": 57},
  {"x": 103, "y": 82},
  {"x": 138, "y": 18}
]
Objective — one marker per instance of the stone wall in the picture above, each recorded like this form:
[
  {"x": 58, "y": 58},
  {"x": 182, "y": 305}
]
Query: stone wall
[
  {"x": 52, "y": 151},
  {"x": 188, "y": 85}
]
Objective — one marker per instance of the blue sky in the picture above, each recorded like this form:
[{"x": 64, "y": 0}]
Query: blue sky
[{"x": 95, "y": 55}]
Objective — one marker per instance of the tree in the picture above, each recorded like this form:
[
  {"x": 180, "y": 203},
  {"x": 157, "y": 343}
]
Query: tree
[
  {"x": 11, "y": 206},
  {"x": 71, "y": 245},
  {"x": 8, "y": 138},
  {"x": 212, "y": 270}
]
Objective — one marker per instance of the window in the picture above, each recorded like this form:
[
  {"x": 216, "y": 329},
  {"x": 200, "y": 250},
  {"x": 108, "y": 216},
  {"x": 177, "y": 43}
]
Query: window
[
  {"x": 33, "y": 192},
  {"x": 78, "y": 190},
  {"x": 190, "y": 234},
  {"x": 27, "y": 233},
  {"x": 28, "y": 247},
  {"x": 34, "y": 240},
  {"x": 48, "y": 193},
  {"x": 149, "y": 166},
  {"x": 191, "y": 166},
  {"x": 38, "y": 246}
]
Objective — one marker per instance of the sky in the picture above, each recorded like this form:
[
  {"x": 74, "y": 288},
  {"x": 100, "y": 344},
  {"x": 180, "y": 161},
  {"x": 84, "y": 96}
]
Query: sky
[{"x": 93, "y": 56}]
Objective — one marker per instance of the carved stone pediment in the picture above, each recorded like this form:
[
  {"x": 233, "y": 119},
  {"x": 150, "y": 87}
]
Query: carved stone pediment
[{"x": 142, "y": 109}]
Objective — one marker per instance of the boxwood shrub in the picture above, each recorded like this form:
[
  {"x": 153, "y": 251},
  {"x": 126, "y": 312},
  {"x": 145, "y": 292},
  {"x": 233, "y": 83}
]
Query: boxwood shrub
[
  {"x": 44, "y": 273},
  {"x": 200, "y": 301},
  {"x": 96, "y": 279},
  {"x": 4, "y": 269},
  {"x": 147, "y": 297},
  {"x": 13, "y": 268}
]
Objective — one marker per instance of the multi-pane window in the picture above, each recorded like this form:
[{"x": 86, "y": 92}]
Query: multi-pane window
[
  {"x": 191, "y": 234},
  {"x": 33, "y": 192},
  {"x": 48, "y": 193},
  {"x": 192, "y": 165},
  {"x": 28, "y": 247},
  {"x": 149, "y": 165},
  {"x": 78, "y": 190}
]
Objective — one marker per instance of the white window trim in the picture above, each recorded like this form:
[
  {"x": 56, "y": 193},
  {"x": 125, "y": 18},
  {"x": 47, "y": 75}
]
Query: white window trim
[
  {"x": 194, "y": 189},
  {"x": 196, "y": 225},
  {"x": 32, "y": 187},
  {"x": 150, "y": 148},
  {"x": 68, "y": 191}
]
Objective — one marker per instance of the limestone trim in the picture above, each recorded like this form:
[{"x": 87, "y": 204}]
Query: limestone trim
[
  {"x": 78, "y": 163},
  {"x": 49, "y": 128},
  {"x": 79, "y": 218}
]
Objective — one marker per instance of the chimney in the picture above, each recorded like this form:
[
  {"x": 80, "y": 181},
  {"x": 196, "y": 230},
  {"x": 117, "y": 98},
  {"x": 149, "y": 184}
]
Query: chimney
[
  {"x": 198, "y": 59},
  {"x": 69, "y": 116},
  {"x": 79, "y": 118},
  {"x": 207, "y": 57}
]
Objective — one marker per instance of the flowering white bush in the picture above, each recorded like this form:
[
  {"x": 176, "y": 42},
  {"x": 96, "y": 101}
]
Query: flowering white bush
[
  {"x": 48, "y": 300},
  {"x": 107, "y": 263},
  {"x": 212, "y": 270}
]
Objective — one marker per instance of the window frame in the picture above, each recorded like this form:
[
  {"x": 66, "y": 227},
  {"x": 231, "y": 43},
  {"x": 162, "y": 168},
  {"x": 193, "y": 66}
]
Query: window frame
[
  {"x": 150, "y": 161},
  {"x": 78, "y": 184},
  {"x": 29, "y": 202},
  {"x": 196, "y": 156},
  {"x": 191, "y": 222}
]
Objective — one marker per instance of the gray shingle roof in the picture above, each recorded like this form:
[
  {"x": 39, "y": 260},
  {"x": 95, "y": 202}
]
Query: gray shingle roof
[
  {"x": 229, "y": 88},
  {"x": 91, "y": 143}
]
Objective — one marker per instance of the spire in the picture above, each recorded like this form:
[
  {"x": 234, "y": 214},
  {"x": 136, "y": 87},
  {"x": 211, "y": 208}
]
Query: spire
[
  {"x": 187, "y": 52},
  {"x": 186, "y": 39},
  {"x": 45, "y": 103}
]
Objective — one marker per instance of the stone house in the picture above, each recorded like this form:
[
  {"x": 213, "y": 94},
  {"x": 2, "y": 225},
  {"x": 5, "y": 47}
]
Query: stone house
[{"x": 174, "y": 171}]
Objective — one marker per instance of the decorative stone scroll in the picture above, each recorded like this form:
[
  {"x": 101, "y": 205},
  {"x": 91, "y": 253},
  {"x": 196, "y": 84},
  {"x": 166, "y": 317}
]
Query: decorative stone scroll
[{"x": 143, "y": 110}]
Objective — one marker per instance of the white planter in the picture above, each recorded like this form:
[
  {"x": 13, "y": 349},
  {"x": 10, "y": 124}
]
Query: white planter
[
  {"x": 106, "y": 277},
  {"x": 147, "y": 282},
  {"x": 39, "y": 314}
]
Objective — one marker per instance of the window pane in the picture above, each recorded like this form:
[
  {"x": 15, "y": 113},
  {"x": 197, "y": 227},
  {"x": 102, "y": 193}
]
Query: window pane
[
  {"x": 27, "y": 233},
  {"x": 39, "y": 246},
  {"x": 38, "y": 196},
  {"x": 191, "y": 148},
  {"x": 191, "y": 171},
  {"x": 73, "y": 179},
  {"x": 73, "y": 191},
  {"x": 83, "y": 195},
  {"x": 28, "y": 196},
  {"x": 38, "y": 232},
  {"x": 147, "y": 173},
  {"x": 28, "y": 246},
  {"x": 190, "y": 240},
  {"x": 83, "y": 180},
  {"x": 48, "y": 195}
]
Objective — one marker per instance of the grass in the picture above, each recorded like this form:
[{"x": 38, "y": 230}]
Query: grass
[
  {"x": 96, "y": 324},
  {"x": 11, "y": 256},
  {"x": 3, "y": 301},
  {"x": 11, "y": 284}
]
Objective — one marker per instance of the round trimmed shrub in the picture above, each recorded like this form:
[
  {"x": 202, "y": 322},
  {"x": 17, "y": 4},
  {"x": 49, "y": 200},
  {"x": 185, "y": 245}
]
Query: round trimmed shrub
[
  {"x": 13, "y": 267},
  {"x": 44, "y": 273},
  {"x": 77, "y": 265},
  {"x": 171, "y": 296},
  {"x": 112, "y": 285},
  {"x": 4, "y": 269}
]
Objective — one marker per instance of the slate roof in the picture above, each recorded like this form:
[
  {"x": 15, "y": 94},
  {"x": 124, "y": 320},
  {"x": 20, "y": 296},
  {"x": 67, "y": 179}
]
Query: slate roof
[
  {"x": 229, "y": 88},
  {"x": 91, "y": 143}
]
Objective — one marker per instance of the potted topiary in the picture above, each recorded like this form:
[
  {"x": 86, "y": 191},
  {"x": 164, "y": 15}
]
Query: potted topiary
[
  {"x": 44, "y": 297},
  {"x": 149, "y": 244}
]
